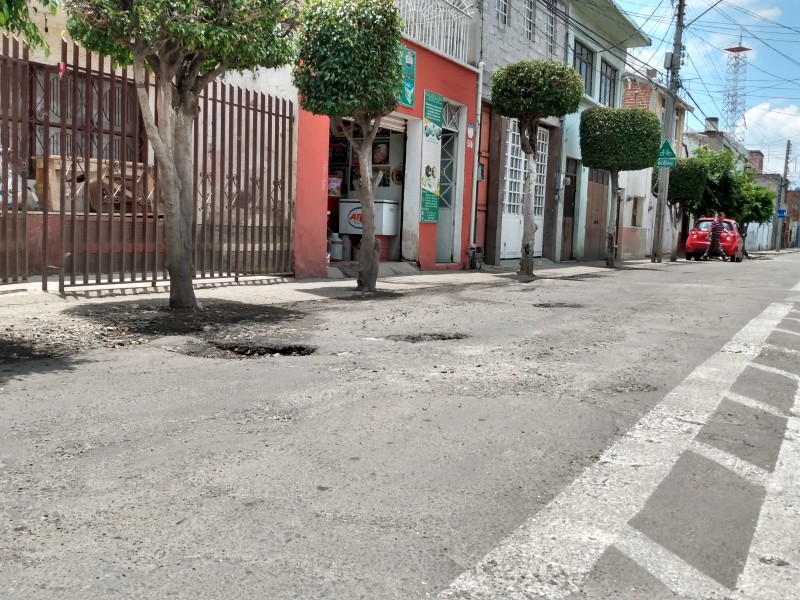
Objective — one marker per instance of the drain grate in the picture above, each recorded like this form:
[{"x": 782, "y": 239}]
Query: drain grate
[
  {"x": 248, "y": 349},
  {"x": 426, "y": 337}
]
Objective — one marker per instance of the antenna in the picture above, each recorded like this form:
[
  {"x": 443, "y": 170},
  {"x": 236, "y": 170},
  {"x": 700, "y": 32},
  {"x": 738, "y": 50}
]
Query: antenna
[{"x": 734, "y": 102}]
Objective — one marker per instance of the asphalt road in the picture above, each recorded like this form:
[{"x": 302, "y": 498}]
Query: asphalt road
[{"x": 625, "y": 434}]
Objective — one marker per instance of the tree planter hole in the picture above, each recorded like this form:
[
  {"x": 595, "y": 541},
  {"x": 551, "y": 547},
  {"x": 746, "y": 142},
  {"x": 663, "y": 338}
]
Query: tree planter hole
[
  {"x": 250, "y": 349},
  {"x": 426, "y": 337}
]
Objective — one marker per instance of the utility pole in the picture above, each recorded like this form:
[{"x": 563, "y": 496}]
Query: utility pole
[
  {"x": 782, "y": 191},
  {"x": 667, "y": 126}
]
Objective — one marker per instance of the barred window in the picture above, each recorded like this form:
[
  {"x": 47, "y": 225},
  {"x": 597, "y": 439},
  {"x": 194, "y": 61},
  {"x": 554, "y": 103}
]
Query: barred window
[
  {"x": 550, "y": 26},
  {"x": 583, "y": 61},
  {"x": 502, "y": 12},
  {"x": 608, "y": 84},
  {"x": 529, "y": 20}
]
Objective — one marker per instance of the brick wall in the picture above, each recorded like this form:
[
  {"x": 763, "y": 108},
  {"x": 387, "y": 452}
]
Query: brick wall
[{"x": 637, "y": 96}]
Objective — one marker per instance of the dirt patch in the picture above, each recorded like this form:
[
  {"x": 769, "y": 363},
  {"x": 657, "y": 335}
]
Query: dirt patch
[
  {"x": 426, "y": 337},
  {"x": 556, "y": 305}
]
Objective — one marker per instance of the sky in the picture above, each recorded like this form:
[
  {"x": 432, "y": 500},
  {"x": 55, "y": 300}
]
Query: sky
[{"x": 771, "y": 81}]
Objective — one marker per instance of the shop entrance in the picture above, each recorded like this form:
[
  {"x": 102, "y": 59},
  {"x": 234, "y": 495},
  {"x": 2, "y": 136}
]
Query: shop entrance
[
  {"x": 445, "y": 229},
  {"x": 345, "y": 225}
]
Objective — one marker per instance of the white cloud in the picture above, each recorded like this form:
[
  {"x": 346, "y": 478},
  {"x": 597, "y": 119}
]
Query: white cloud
[{"x": 768, "y": 128}]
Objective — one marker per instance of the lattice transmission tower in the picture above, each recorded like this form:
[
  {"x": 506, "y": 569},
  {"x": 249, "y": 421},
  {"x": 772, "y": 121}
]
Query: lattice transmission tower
[{"x": 735, "y": 94}]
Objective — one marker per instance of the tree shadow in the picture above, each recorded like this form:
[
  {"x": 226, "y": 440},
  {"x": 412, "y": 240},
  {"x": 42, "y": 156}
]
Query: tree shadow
[
  {"x": 154, "y": 317},
  {"x": 20, "y": 357}
]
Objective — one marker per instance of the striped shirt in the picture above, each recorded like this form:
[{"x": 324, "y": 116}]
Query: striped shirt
[{"x": 717, "y": 228}]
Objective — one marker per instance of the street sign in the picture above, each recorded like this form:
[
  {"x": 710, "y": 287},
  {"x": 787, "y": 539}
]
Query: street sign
[
  {"x": 781, "y": 213},
  {"x": 666, "y": 156}
]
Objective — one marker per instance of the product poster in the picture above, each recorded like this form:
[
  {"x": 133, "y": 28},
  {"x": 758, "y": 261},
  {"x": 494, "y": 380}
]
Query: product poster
[
  {"x": 409, "y": 59},
  {"x": 431, "y": 157}
]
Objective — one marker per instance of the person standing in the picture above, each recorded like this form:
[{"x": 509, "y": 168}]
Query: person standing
[{"x": 714, "y": 247}]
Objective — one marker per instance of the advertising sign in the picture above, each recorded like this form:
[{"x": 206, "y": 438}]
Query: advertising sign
[
  {"x": 431, "y": 157},
  {"x": 407, "y": 94}
]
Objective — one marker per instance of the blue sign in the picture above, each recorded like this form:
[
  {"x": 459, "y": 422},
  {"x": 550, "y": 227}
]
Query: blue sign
[{"x": 781, "y": 212}]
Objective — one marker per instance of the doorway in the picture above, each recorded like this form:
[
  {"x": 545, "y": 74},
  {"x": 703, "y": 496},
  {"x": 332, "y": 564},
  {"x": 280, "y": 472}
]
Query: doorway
[
  {"x": 596, "y": 215},
  {"x": 568, "y": 217},
  {"x": 445, "y": 228}
]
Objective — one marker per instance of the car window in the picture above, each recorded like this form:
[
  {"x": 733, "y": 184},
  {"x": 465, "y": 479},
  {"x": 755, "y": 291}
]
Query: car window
[
  {"x": 703, "y": 226},
  {"x": 728, "y": 226}
]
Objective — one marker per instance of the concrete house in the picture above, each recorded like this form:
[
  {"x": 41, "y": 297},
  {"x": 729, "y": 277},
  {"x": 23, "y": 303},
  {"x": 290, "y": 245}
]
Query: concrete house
[
  {"x": 637, "y": 212},
  {"x": 509, "y": 31},
  {"x": 599, "y": 35}
]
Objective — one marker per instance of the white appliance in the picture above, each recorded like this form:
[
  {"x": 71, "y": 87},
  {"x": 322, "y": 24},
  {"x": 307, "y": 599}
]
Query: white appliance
[{"x": 387, "y": 217}]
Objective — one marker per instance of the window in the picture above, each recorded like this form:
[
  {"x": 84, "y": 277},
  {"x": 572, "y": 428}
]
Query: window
[
  {"x": 583, "y": 61},
  {"x": 529, "y": 20},
  {"x": 608, "y": 84},
  {"x": 550, "y": 26},
  {"x": 542, "y": 150},
  {"x": 515, "y": 171},
  {"x": 502, "y": 12}
]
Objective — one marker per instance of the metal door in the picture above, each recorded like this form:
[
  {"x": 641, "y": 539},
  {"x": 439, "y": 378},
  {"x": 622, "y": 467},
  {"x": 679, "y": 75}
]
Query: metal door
[
  {"x": 568, "y": 217},
  {"x": 445, "y": 228}
]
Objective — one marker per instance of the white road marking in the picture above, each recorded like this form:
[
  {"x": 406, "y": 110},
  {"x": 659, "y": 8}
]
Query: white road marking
[
  {"x": 779, "y": 330},
  {"x": 745, "y": 470},
  {"x": 782, "y": 349},
  {"x": 757, "y": 404},
  {"x": 796, "y": 288},
  {"x": 678, "y": 575},
  {"x": 551, "y": 554},
  {"x": 773, "y": 565},
  {"x": 769, "y": 369}
]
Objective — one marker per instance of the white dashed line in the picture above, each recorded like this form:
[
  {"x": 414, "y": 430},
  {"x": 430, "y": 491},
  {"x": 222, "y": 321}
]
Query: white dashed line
[
  {"x": 551, "y": 554},
  {"x": 745, "y": 470}
]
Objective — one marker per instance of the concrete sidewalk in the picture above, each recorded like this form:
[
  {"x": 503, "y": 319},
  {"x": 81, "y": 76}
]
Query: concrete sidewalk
[{"x": 280, "y": 290}]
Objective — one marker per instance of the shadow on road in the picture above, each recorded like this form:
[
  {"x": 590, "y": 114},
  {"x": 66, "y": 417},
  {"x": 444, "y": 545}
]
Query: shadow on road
[
  {"x": 153, "y": 317},
  {"x": 19, "y": 357}
]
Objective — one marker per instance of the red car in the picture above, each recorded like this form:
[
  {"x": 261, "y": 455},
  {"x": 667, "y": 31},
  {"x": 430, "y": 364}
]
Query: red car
[{"x": 698, "y": 241}]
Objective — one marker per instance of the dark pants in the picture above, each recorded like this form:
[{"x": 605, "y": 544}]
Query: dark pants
[{"x": 714, "y": 249}]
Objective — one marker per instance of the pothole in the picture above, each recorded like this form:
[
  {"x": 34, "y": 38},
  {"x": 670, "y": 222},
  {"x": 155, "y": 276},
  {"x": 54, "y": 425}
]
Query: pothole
[
  {"x": 426, "y": 337},
  {"x": 556, "y": 305},
  {"x": 255, "y": 349}
]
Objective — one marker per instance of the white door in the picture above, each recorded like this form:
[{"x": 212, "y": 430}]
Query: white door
[
  {"x": 445, "y": 228},
  {"x": 511, "y": 225}
]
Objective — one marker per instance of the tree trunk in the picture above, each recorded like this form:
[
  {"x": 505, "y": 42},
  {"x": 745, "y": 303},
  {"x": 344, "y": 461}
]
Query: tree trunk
[
  {"x": 528, "y": 132},
  {"x": 370, "y": 253},
  {"x": 528, "y": 220},
  {"x": 676, "y": 215},
  {"x": 611, "y": 229},
  {"x": 179, "y": 218}
]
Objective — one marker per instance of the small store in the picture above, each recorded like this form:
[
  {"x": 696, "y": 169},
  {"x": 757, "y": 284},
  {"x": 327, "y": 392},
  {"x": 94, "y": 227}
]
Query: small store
[{"x": 424, "y": 151}]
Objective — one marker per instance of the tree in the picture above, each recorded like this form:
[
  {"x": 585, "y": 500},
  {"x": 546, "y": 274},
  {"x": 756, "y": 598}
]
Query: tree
[
  {"x": 758, "y": 206},
  {"x": 187, "y": 44},
  {"x": 16, "y": 18},
  {"x": 529, "y": 91},
  {"x": 348, "y": 65},
  {"x": 614, "y": 140},
  {"x": 687, "y": 182}
]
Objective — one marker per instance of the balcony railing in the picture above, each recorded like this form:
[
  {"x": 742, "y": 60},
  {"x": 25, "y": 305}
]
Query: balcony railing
[{"x": 439, "y": 24}]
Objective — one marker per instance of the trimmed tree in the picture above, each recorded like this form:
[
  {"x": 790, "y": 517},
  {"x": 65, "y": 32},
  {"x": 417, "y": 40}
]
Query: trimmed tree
[
  {"x": 614, "y": 140},
  {"x": 187, "y": 44},
  {"x": 530, "y": 91},
  {"x": 687, "y": 181},
  {"x": 348, "y": 68},
  {"x": 16, "y": 18}
]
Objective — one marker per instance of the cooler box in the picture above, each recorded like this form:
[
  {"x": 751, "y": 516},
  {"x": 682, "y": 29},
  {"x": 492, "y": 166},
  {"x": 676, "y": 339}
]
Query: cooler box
[{"x": 387, "y": 217}]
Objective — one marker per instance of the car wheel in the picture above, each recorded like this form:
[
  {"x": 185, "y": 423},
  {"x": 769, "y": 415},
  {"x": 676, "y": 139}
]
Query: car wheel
[{"x": 689, "y": 256}]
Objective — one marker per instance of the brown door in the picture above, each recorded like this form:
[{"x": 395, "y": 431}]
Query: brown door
[
  {"x": 568, "y": 218},
  {"x": 596, "y": 215}
]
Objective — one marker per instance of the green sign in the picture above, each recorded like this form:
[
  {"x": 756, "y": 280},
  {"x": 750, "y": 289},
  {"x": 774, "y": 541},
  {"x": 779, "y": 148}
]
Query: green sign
[
  {"x": 409, "y": 60},
  {"x": 666, "y": 156},
  {"x": 431, "y": 157}
]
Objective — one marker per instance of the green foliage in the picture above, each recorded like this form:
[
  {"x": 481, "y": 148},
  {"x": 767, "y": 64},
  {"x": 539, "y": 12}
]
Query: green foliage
[
  {"x": 532, "y": 90},
  {"x": 348, "y": 57},
  {"x": 626, "y": 139},
  {"x": 16, "y": 18},
  {"x": 687, "y": 183},
  {"x": 729, "y": 188},
  {"x": 231, "y": 35}
]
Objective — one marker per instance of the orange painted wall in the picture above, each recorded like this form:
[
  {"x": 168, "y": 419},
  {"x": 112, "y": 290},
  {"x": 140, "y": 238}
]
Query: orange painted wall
[
  {"x": 311, "y": 209},
  {"x": 459, "y": 84}
]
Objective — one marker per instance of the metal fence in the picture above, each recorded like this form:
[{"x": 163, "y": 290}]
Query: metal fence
[{"x": 81, "y": 189}]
